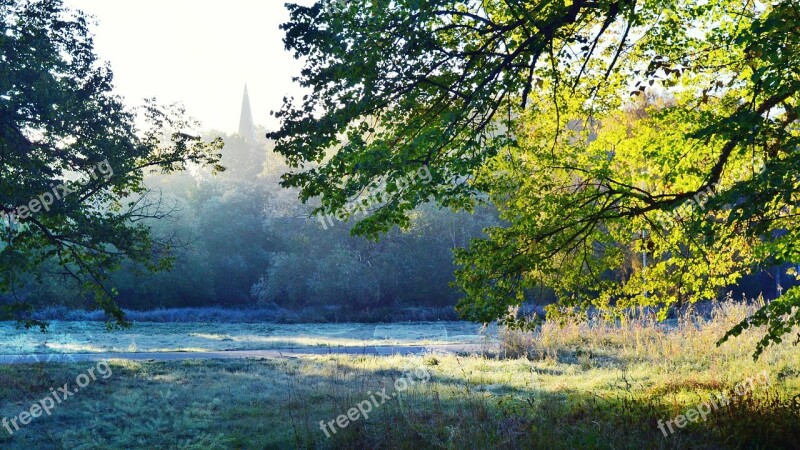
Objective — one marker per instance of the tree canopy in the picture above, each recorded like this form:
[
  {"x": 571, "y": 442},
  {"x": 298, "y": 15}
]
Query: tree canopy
[
  {"x": 604, "y": 131},
  {"x": 72, "y": 157}
]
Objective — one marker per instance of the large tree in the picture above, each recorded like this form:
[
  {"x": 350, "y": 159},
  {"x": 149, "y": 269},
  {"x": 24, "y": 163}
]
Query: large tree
[
  {"x": 72, "y": 157},
  {"x": 528, "y": 104}
]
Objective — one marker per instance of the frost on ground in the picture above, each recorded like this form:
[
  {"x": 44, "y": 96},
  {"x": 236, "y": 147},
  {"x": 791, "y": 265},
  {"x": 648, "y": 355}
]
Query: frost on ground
[{"x": 91, "y": 337}]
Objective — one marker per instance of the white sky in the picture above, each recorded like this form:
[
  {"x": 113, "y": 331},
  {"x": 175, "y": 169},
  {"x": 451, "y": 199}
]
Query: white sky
[{"x": 198, "y": 52}]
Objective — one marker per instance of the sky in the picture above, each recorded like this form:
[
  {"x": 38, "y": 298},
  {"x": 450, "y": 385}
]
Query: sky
[{"x": 198, "y": 52}]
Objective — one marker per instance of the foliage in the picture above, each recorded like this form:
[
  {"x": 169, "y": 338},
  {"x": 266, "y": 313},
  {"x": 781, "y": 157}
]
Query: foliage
[
  {"x": 240, "y": 240},
  {"x": 779, "y": 317},
  {"x": 58, "y": 121},
  {"x": 602, "y": 131}
]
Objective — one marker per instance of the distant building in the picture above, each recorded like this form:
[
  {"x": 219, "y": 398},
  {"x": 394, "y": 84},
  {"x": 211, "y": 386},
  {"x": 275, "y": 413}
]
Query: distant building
[
  {"x": 247, "y": 128},
  {"x": 245, "y": 152}
]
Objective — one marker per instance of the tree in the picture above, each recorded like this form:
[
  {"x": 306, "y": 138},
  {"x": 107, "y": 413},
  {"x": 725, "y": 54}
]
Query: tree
[
  {"x": 494, "y": 95},
  {"x": 72, "y": 158}
]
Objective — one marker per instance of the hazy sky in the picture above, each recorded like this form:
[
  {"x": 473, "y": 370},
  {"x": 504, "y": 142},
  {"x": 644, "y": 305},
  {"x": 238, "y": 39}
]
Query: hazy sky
[{"x": 199, "y": 52}]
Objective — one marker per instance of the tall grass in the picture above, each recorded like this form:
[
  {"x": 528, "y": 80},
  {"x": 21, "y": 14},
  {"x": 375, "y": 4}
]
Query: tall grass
[{"x": 640, "y": 336}]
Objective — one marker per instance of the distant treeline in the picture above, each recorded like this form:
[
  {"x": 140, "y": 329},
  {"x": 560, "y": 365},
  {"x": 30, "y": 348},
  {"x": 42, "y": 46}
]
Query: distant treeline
[{"x": 239, "y": 240}]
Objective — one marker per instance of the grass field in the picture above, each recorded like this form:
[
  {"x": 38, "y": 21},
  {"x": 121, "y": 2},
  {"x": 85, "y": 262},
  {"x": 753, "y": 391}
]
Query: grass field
[{"x": 579, "y": 385}]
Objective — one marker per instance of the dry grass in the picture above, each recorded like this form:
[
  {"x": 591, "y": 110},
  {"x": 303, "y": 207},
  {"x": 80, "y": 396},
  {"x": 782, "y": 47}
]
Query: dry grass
[{"x": 640, "y": 337}]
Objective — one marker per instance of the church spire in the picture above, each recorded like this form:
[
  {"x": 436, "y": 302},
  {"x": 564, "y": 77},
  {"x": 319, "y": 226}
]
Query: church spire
[{"x": 247, "y": 129}]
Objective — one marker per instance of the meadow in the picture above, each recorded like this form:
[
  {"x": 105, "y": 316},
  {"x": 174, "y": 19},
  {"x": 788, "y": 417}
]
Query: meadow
[
  {"x": 577, "y": 384},
  {"x": 64, "y": 337}
]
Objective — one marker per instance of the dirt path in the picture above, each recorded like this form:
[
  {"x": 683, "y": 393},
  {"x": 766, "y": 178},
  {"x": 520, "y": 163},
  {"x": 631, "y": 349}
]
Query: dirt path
[{"x": 242, "y": 354}]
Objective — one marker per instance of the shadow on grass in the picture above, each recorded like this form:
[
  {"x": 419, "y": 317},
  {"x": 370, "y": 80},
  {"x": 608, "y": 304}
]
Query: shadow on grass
[{"x": 280, "y": 404}]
